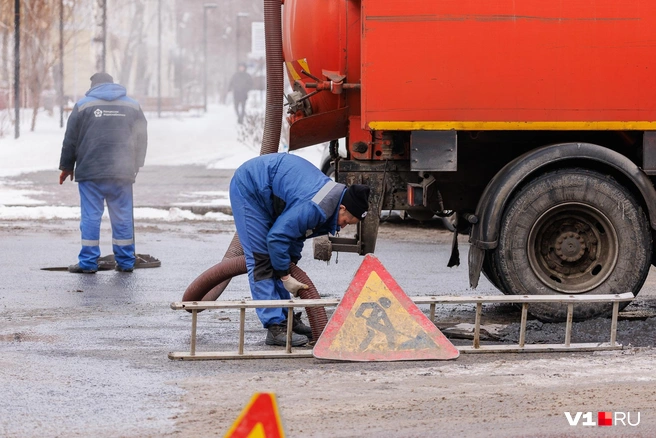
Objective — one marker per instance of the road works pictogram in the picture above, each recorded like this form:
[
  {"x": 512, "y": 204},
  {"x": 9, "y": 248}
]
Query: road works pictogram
[
  {"x": 259, "y": 419},
  {"x": 376, "y": 321}
]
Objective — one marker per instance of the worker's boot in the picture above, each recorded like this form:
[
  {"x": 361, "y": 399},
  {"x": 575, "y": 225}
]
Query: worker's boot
[
  {"x": 277, "y": 335},
  {"x": 76, "y": 269},
  {"x": 300, "y": 328}
]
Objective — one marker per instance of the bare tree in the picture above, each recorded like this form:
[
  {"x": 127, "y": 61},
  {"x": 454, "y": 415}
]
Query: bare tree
[
  {"x": 39, "y": 47},
  {"x": 100, "y": 33},
  {"x": 6, "y": 31},
  {"x": 6, "y": 12},
  {"x": 124, "y": 56}
]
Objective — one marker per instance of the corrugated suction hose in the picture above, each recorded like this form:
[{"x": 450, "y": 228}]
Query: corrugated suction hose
[
  {"x": 203, "y": 287},
  {"x": 316, "y": 315},
  {"x": 211, "y": 283},
  {"x": 234, "y": 266},
  {"x": 275, "y": 90}
]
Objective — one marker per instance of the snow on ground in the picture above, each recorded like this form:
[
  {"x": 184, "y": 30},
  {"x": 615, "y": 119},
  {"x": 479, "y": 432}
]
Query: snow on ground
[
  {"x": 205, "y": 199},
  {"x": 209, "y": 139},
  {"x": 55, "y": 212},
  {"x": 173, "y": 140},
  {"x": 11, "y": 193}
]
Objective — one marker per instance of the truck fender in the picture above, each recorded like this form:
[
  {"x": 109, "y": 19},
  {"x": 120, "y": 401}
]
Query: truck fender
[{"x": 485, "y": 233}]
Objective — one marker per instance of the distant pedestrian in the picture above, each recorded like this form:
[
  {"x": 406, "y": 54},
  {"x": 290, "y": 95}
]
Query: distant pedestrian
[
  {"x": 240, "y": 84},
  {"x": 104, "y": 147}
]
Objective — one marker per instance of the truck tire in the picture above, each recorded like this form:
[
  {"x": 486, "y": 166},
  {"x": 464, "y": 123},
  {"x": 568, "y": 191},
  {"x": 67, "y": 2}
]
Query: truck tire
[
  {"x": 491, "y": 272},
  {"x": 572, "y": 231}
]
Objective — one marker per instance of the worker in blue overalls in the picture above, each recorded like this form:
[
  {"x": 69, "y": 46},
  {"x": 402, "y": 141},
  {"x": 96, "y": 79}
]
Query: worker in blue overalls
[
  {"x": 104, "y": 148},
  {"x": 278, "y": 201}
]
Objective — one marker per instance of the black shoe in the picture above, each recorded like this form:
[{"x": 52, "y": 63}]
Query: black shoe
[
  {"x": 277, "y": 335},
  {"x": 300, "y": 328},
  {"x": 119, "y": 269},
  {"x": 75, "y": 269}
]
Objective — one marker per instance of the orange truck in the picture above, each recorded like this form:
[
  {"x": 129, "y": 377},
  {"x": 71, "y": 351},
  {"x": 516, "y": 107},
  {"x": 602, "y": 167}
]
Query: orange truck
[{"x": 535, "y": 121}]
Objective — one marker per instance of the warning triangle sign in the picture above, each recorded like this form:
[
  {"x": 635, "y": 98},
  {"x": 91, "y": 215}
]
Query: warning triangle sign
[
  {"x": 376, "y": 321},
  {"x": 259, "y": 419}
]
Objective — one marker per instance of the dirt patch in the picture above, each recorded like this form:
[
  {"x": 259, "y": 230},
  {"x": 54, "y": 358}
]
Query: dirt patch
[
  {"x": 524, "y": 395},
  {"x": 630, "y": 333},
  {"x": 26, "y": 337}
]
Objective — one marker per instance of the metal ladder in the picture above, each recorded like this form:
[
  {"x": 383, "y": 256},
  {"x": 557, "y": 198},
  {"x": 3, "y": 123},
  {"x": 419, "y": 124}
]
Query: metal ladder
[{"x": 476, "y": 347}]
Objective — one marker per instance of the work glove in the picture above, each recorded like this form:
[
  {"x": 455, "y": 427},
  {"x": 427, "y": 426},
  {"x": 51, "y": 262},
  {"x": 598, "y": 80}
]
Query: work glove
[
  {"x": 65, "y": 174},
  {"x": 292, "y": 285}
]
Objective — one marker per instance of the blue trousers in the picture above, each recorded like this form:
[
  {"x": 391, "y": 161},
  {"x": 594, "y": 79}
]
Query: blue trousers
[
  {"x": 118, "y": 195},
  {"x": 253, "y": 224}
]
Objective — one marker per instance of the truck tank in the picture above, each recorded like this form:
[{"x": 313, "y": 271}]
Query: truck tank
[{"x": 316, "y": 44}]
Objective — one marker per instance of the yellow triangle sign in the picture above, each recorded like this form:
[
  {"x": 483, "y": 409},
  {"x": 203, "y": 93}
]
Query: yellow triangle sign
[
  {"x": 376, "y": 321},
  {"x": 259, "y": 419}
]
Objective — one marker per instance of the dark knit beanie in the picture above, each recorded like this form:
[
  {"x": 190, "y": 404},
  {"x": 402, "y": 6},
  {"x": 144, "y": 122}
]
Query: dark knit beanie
[
  {"x": 101, "y": 78},
  {"x": 356, "y": 200}
]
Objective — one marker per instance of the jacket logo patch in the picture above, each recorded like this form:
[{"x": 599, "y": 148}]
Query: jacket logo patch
[{"x": 108, "y": 113}]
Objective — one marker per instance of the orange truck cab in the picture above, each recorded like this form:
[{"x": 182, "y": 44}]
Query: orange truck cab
[{"x": 534, "y": 121}]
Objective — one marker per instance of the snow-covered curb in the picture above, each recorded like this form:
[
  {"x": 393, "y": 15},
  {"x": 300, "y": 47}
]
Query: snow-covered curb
[{"x": 49, "y": 212}]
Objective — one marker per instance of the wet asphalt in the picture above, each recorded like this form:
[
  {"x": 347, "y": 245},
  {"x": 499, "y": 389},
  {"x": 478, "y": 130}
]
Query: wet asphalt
[{"x": 86, "y": 355}]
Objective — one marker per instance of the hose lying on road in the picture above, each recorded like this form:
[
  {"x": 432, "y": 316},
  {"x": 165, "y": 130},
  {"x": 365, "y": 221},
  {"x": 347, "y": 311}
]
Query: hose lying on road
[
  {"x": 217, "y": 288},
  {"x": 210, "y": 284},
  {"x": 202, "y": 288}
]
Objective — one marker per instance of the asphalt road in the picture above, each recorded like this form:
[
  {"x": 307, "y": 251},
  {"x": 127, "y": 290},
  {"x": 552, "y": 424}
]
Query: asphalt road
[{"x": 86, "y": 355}]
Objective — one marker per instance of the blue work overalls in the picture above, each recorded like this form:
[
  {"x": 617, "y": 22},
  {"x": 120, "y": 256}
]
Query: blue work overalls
[
  {"x": 118, "y": 195},
  {"x": 279, "y": 200}
]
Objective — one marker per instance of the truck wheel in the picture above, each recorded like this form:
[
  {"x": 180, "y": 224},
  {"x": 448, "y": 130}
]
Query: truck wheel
[
  {"x": 491, "y": 272},
  {"x": 573, "y": 231}
]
